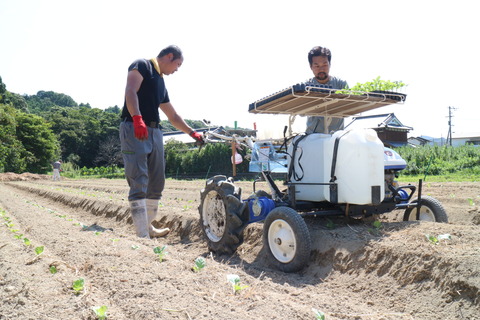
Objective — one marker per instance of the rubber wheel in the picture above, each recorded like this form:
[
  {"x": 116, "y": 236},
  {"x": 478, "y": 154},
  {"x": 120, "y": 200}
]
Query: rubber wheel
[
  {"x": 287, "y": 239},
  {"x": 430, "y": 210},
  {"x": 223, "y": 216}
]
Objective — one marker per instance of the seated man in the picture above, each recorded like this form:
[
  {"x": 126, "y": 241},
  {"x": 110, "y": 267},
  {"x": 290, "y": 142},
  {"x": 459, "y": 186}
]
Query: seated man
[{"x": 319, "y": 59}]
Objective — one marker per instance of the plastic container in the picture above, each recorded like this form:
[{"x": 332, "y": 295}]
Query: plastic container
[
  {"x": 359, "y": 167},
  {"x": 308, "y": 161}
]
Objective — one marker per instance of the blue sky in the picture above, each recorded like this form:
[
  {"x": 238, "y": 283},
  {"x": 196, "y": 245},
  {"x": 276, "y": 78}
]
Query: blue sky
[{"x": 238, "y": 52}]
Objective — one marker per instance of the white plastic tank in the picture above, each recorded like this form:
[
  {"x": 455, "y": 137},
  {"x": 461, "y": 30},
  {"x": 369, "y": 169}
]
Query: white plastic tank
[
  {"x": 308, "y": 162},
  {"x": 359, "y": 166},
  {"x": 359, "y": 169}
]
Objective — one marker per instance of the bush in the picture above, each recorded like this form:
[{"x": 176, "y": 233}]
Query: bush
[{"x": 440, "y": 160}]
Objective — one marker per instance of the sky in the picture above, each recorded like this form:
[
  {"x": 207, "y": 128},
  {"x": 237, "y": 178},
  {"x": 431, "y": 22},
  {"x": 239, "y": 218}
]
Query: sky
[{"x": 239, "y": 52}]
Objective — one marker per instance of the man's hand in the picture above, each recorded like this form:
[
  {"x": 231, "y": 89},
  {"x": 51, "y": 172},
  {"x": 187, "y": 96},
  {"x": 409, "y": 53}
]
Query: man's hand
[
  {"x": 198, "y": 138},
  {"x": 139, "y": 128}
]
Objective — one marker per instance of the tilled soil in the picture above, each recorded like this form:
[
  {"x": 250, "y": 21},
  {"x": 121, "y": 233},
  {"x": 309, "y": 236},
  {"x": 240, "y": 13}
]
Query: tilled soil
[{"x": 356, "y": 271}]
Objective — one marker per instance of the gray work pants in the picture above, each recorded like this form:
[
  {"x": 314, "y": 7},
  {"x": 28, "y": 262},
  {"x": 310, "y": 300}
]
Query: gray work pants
[{"x": 144, "y": 162}]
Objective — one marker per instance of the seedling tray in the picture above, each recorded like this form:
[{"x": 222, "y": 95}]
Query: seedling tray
[{"x": 302, "y": 99}]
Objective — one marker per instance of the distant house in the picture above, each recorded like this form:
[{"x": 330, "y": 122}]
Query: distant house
[
  {"x": 456, "y": 141},
  {"x": 460, "y": 141},
  {"x": 389, "y": 129},
  {"x": 419, "y": 141}
]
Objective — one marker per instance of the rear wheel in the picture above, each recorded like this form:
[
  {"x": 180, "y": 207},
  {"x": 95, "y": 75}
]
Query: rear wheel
[
  {"x": 430, "y": 210},
  {"x": 223, "y": 216},
  {"x": 287, "y": 239}
]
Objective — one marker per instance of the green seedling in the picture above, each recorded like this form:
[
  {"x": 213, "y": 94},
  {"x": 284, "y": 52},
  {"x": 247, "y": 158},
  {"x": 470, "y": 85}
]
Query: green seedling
[
  {"x": 319, "y": 315},
  {"x": 330, "y": 224},
  {"x": 100, "y": 312},
  {"x": 235, "y": 281},
  {"x": 26, "y": 241},
  {"x": 134, "y": 247},
  {"x": 160, "y": 252},
  {"x": 200, "y": 263},
  {"x": 18, "y": 236},
  {"x": 39, "y": 250},
  {"x": 97, "y": 233},
  {"x": 114, "y": 240},
  {"x": 78, "y": 285},
  {"x": 377, "y": 225},
  {"x": 432, "y": 239},
  {"x": 53, "y": 269},
  {"x": 471, "y": 202}
]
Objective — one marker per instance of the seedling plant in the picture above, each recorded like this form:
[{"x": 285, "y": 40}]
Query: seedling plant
[
  {"x": 78, "y": 286},
  {"x": 100, "y": 312},
  {"x": 235, "y": 281},
  {"x": 200, "y": 263},
  {"x": 160, "y": 252}
]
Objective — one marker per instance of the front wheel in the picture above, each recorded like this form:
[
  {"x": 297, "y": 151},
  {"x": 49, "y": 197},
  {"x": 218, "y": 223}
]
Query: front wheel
[
  {"x": 430, "y": 210},
  {"x": 223, "y": 216},
  {"x": 287, "y": 239}
]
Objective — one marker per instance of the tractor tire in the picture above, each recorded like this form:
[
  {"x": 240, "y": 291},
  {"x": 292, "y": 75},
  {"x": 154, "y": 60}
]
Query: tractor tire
[
  {"x": 430, "y": 210},
  {"x": 223, "y": 216},
  {"x": 287, "y": 239}
]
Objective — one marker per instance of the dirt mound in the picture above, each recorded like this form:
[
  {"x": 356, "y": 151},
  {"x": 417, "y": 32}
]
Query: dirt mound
[
  {"x": 26, "y": 176},
  {"x": 356, "y": 271}
]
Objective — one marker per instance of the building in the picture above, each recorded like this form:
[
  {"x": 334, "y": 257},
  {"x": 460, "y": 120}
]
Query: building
[{"x": 389, "y": 129}]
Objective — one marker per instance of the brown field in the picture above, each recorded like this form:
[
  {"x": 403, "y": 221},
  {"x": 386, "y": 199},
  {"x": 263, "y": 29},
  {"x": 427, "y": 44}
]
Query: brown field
[{"x": 355, "y": 272}]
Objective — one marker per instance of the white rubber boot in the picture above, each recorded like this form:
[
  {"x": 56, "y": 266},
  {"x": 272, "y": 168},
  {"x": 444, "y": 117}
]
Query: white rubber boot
[
  {"x": 152, "y": 210},
  {"x": 138, "y": 209}
]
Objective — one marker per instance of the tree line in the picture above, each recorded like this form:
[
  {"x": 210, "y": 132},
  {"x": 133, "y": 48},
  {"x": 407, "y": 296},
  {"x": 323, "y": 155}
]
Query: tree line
[{"x": 36, "y": 130}]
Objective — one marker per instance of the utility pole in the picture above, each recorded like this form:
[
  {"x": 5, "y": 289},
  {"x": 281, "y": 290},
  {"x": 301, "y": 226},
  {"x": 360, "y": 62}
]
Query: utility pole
[{"x": 450, "y": 116}]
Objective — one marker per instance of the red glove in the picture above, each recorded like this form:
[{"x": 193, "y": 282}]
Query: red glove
[
  {"x": 139, "y": 128},
  {"x": 198, "y": 138}
]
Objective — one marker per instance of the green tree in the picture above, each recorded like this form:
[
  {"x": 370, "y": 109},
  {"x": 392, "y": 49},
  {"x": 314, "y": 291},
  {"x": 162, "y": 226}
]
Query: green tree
[
  {"x": 41, "y": 145},
  {"x": 11, "y": 149},
  {"x": 45, "y": 100}
]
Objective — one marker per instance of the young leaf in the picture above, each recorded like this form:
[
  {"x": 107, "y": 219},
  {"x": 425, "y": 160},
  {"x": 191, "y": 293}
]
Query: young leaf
[
  {"x": 77, "y": 285},
  {"x": 39, "y": 250},
  {"x": 200, "y": 263},
  {"x": 432, "y": 239},
  {"x": 160, "y": 252},
  {"x": 100, "y": 312},
  {"x": 319, "y": 315}
]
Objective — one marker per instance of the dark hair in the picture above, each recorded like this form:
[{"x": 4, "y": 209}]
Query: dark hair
[
  {"x": 319, "y": 51},
  {"x": 177, "y": 53}
]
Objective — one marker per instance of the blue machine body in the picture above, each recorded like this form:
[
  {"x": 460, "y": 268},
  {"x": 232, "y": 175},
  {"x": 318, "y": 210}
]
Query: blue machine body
[{"x": 259, "y": 208}]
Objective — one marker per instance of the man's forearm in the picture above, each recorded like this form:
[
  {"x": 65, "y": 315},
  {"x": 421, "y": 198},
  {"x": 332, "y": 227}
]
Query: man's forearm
[
  {"x": 132, "y": 103},
  {"x": 180, "y": 124}
]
